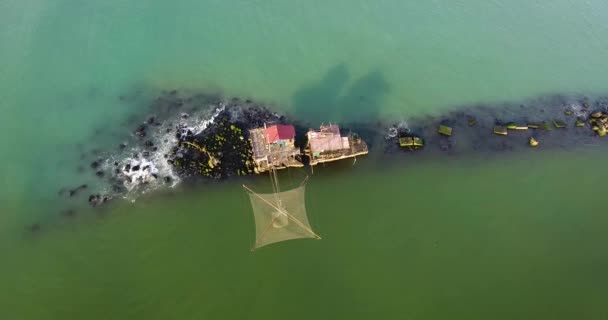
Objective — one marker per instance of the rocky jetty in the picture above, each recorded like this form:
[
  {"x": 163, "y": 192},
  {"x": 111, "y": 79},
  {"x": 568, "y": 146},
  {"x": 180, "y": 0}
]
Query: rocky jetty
[
  {"x": 223, "y": 148},
  {"x": 181, "y": 138},
  {"x": 206, "y": 137},
  {"x": 551, "y": 122}
]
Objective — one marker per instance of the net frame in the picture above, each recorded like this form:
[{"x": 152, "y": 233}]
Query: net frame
[{"x": 303, "y": 226}]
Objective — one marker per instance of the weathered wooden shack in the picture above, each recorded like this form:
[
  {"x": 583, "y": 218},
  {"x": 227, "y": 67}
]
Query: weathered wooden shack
[
  {"x": 327, "y": 144},
  {"x": 274, "y": 147}
]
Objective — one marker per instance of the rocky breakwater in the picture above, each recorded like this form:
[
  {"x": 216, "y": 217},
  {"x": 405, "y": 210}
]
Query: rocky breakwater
[
  {"x": 205, "y": 137},
  {"x": 562, "y": 122},
  {"x": 196, "y": 137},
  {"x": 223, "y": 148}
]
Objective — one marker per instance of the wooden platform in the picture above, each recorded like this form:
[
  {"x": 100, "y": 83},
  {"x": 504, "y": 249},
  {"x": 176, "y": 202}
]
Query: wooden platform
[
  {"x": 358, "y": 147},
  {"x": 291, "y": 163},
  {"x": 272, "y": 155}
]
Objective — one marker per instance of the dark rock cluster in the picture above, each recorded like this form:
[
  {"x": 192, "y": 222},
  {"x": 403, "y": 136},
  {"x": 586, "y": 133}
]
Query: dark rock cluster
[
  {"x": 554, "y": 122},
  {"x": 223, "y": 148}
]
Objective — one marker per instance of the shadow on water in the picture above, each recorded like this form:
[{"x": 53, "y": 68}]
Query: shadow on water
[{"x": 332, "y": 99}]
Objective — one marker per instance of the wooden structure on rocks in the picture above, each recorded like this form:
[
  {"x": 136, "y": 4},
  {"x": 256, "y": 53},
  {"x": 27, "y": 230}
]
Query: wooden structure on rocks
[
  {"x": 273, "y": 147},
  {"x": 326, "y": 145}
]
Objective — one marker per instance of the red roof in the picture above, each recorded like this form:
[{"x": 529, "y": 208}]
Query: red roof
[{"x": 279, "y": 132}]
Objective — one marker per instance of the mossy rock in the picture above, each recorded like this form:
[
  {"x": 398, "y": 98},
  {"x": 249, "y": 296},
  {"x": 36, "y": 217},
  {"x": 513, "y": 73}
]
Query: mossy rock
[
  {"x": 445, "y": 130},
  {"x": 411, "y": 142},
  {"x": 533, "y": 142},
  {"x": 559, "y": 124},
  {"x": 221, "y": 139},
  {"x": 500, "y": 130},
  {"x": 546, "y": 126},
  {"x": 519, "y": 127}
]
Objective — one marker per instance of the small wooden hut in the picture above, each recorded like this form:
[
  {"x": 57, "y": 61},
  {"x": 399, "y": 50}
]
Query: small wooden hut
[
  {"x": 273, "y": 147},
  {"x": 327, "y": 144}
]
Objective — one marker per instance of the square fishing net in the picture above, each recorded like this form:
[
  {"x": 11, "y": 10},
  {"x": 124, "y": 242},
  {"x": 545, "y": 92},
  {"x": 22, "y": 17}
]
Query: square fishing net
[{"x": 280, "y": 216}]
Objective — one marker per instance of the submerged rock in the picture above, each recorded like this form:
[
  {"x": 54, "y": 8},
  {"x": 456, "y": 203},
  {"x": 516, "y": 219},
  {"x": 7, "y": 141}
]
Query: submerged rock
[
  {"x": 97, "y": 199},
  {"x": 76, "y": 190},
  {"x": 94, "y": 200},
  {"x": 34, "y": 228},
  {"x": 68, "y": 213},
  {"x": 140, "y": 131},
  {"x": 95, "y": 164}
]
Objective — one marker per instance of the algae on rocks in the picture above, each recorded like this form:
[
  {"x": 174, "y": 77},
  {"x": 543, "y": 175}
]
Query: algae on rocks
[{"x": 222, "y": 149}]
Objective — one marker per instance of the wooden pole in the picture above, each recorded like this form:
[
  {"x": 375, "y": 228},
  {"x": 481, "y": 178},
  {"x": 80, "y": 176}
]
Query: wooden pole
[
  {"x": 263, "y": 233},
  {"x": 304, "y": 182},
  {"x": 302, "y": 225}
]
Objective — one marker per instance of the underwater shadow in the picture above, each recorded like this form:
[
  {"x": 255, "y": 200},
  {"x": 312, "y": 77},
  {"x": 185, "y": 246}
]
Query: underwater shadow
[
  {"x": 317, "y": 103},
  {"x": 364, "y": 98},
  {"x": 331, "y": 100}
]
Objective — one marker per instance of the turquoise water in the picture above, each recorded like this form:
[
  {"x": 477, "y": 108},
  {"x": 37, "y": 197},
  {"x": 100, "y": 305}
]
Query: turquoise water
[{"x": 458, "y": 249}]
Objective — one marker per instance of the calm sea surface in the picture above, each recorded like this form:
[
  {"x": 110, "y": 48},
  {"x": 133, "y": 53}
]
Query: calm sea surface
[{"x": 517, "y": 236}]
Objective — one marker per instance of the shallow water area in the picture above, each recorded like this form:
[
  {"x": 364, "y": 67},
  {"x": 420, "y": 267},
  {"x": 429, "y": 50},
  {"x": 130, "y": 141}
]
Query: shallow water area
[{"x": 376, "y": 241}]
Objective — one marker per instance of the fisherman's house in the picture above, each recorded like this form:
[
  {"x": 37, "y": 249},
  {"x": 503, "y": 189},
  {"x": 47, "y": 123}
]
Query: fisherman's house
[{"x": 273, "y": 147}]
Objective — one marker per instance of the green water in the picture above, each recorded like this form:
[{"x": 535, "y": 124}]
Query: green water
[{"x": 519, "y": 237}]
